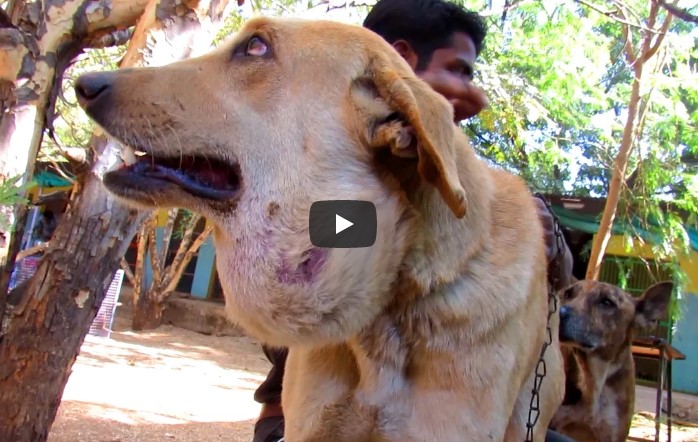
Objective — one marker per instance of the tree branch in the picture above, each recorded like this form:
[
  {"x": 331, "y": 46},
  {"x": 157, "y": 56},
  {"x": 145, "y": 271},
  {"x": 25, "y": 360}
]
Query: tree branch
[
  {"x": 75, "y": 155},
  {"x": 660, "y": 37},
  {"x": 60, "y": 171},
  {"x": 609, "y": 14},
  {"x": 612, "y": 14},
  {"x": 117, "y": 38},
  {"x": 645, "y": 106},
  {"x": 504, "y": 9},
  {"x": 122, "y": 15},
  {"x": 167, "y": 235},
  {"x": 140, "y": 262},
  {"x": 172, "y": 271},
  {"x": 129, "y": 274},
  {"x": 630, "y": 52},
  {"x": 629, "y": 11},
  {"x": 185, "y": 261},
  {"x": 621, "y": 161},
  {"x": 683, "y": 14},
  {"x": 153, "y": 249},
  {"x": 646, "y": 40},
  {"x": 14, "y": 47},
  {"x": 628, "y": 45},
  {"x": 32, "y": 250}
]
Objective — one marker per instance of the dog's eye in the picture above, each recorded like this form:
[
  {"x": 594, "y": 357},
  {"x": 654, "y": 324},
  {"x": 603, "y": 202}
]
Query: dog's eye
[
  {"x": 256, "y": 47},
  {"x": 606, "y": 302}
]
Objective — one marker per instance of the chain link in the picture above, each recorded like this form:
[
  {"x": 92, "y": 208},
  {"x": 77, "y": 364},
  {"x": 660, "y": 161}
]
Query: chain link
[{"x": 541, "y": 369}]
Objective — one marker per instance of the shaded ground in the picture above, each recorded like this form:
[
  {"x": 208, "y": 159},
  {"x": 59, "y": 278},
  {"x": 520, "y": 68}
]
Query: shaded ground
[
  {"x": 167, "y": 385},
  {"x": 643, "y": 421},
  {"x": 176, "y": 385}
]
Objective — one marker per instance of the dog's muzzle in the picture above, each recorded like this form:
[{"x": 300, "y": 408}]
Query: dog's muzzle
[{"x": 575, "y": 330}]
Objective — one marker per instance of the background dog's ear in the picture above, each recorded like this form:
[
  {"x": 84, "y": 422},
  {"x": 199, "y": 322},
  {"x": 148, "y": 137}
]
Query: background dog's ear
[
  {"x": 421, "y": 126},
  {"x": 653, "y": 304},
  {"x": 571, "y": 291}
]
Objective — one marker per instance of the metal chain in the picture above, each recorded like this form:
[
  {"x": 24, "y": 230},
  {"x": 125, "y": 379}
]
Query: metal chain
[{"x": 541, "y": 369}]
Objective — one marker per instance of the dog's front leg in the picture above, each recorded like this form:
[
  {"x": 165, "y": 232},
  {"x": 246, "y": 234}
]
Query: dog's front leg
[
  {"x": 317, "y": 396},
  {"x": 565, "y": 415}
]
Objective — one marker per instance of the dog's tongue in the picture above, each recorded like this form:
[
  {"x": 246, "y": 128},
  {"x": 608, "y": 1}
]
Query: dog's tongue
[{"x": 203, "y": 182}]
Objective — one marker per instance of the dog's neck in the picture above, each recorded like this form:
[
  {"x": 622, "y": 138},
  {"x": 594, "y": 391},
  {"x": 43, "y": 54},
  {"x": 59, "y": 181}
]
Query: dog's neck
[
  {"x": 438, "y": 235},
  {"x": 589, "y": 373}
]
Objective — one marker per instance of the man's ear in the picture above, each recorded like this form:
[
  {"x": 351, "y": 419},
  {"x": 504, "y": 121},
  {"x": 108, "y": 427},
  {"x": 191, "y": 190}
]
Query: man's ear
[
  {"x": 420, "y": 126},
  {"x": 653, "y": 304},
  {"x": 406, "y": 51}
]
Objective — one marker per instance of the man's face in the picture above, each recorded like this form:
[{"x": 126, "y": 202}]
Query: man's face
[{"x": 450, "y": 73}]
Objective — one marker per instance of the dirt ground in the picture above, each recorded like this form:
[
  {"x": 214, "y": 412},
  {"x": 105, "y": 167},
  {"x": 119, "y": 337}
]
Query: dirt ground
[
  {"x": 168, "y": 385},
  {"x": 175, "y": 385}
]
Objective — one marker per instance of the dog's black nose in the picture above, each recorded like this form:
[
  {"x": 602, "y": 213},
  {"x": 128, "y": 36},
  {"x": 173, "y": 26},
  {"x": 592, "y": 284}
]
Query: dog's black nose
[
  {"x": 93, "y": 91},
  {"x": 564, "y": 312},
  {"x": 89, "y": 87}
]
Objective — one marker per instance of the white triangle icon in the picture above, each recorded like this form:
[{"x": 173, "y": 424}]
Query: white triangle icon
[{"x": 341, "y": 224}]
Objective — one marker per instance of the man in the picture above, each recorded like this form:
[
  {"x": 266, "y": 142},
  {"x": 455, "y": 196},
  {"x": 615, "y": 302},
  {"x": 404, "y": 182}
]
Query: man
[{"x": 441, "y": 42}]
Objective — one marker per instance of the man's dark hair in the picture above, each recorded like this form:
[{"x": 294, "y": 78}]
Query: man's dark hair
[{"x": 427, "y": 25}]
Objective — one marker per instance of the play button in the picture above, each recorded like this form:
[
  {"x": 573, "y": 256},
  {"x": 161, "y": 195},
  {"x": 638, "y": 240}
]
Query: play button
[{"x": 343, "y": 224}]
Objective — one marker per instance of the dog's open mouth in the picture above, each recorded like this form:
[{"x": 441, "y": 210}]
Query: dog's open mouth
[{"x": 199, "y": 176}]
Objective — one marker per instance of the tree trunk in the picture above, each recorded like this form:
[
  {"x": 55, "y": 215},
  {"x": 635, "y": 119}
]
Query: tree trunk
[
  {"x": 46, "y": 328},
  {"x": 150, "y": 301},
  {"x": 603, "y": 236},
  {"x": 651, "y": 42},
  {"x": 181, "y": 261},
  {"x": 49, "y": 323},
  {"x": 36, "y": 47},
  {"x": 147, "y": 313}
]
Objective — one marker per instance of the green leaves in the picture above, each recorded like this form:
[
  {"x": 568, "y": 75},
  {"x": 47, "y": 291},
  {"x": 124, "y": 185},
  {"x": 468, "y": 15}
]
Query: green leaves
[
  {"x": 10, "y": 195},
  {"x": 72, "y": 127},
  {"x": 559, "y": 83}
]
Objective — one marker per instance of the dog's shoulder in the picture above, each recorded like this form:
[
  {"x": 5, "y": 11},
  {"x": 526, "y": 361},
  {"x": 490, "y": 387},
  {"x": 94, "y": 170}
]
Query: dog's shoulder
[{"x": 515, "y": 224}]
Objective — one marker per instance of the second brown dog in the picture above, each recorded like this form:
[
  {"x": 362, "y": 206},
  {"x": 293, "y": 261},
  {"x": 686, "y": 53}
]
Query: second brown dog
[{"x": 597, "y": 321}]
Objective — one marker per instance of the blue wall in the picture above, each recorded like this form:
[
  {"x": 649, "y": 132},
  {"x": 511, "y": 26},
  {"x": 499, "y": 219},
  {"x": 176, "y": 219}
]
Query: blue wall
[
  {"x": 204, "y": 269},
  {"x": 685, "y": 339}
]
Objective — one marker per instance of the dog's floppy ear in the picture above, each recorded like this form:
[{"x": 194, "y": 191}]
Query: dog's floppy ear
[
  {"x": 423, "y": 127},
  {"x": 653, "y": 304}
]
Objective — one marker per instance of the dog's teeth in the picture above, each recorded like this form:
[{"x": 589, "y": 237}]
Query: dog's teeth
[
  {"x": 128, "y": 157},
  {"x": 140, "y": 153}
]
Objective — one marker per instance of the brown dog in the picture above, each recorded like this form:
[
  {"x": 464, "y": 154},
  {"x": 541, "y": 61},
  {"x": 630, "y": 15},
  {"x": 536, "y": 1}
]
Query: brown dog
[
  {"x": 596, "y": 330},
  {"x": 431, "y": 334}
]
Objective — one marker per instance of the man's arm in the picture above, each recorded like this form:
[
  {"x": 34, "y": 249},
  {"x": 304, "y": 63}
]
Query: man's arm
[
  {"x": 560, "y": 274},
  {"x": 564, "y": 270}
]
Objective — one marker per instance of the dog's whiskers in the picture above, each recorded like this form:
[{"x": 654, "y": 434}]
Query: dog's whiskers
[
  {"x": 179, "y": 144},
  {"x": 148, "y": 140}
]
